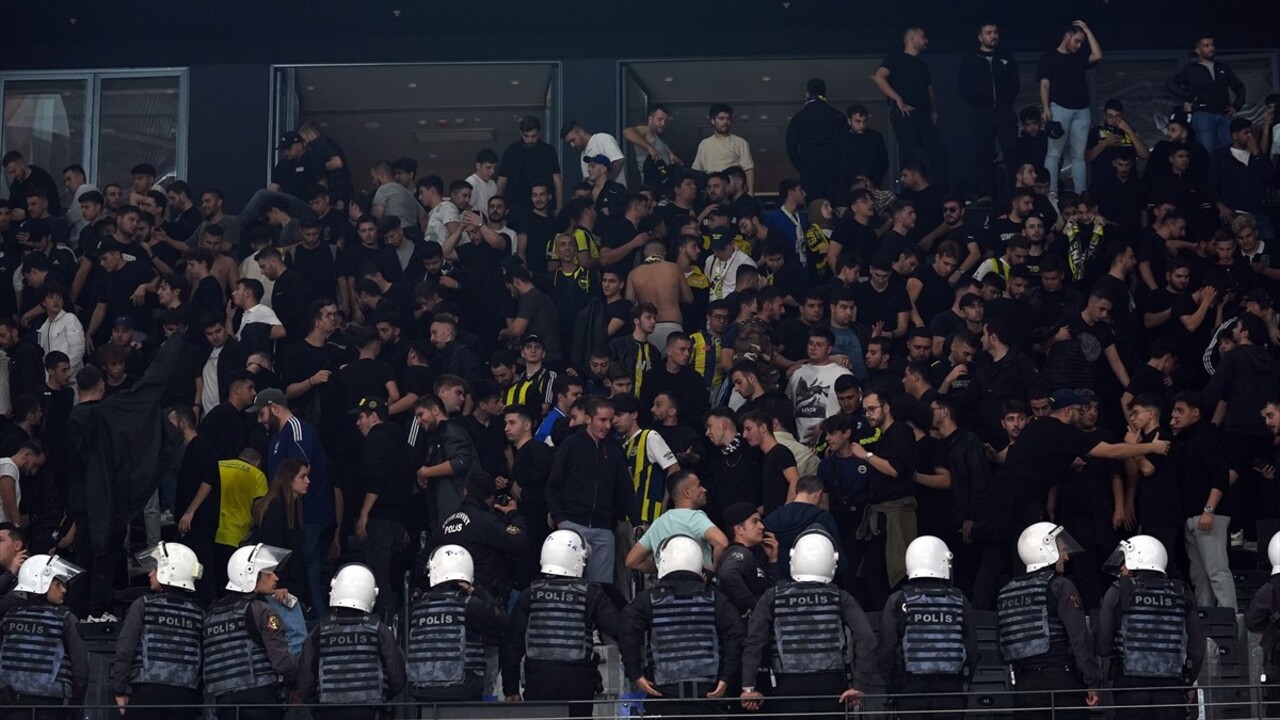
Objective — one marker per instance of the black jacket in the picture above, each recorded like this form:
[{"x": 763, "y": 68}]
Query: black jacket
[
  {"x": 389, "y": 470},
  {"x": 1206, "y": 92},
  {"x": 1200, "y": 460},
  {"x": 590, "y": 482},
  {"x": 814, "y": 136},
  {"x": 1245, "y": 378},
  {"x": 988, "y": 80},
  {"x": 498, "y": 544}
]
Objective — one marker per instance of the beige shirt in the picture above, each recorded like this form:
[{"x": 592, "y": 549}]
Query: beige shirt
[{"x": 716, "y": 153}]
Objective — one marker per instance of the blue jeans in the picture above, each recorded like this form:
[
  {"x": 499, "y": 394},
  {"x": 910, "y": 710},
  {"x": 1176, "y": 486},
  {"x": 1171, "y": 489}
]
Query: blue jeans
[
  {"x": 1075, "y": 127},
  {"x": 1213, "y": 130},
  {"x": 600, "y": 561}
]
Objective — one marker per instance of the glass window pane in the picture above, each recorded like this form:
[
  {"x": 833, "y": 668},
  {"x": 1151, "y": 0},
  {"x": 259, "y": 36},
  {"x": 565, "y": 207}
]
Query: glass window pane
[
  {"x": 1140, "y": 86},
  {"x": 45, "y": 120},
  {"x": 137, "y": 123}
]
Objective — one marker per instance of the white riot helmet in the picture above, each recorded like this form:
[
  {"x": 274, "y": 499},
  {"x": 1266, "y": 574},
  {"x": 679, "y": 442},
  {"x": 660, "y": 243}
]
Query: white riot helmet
[
  {"x": 564, "y": 553},
  {"x": 39, "y": 572},
  {"x": 1140, "y": 552},
  {"x": 1273, "y": 553},
  {"x": 353, "y": 587},
  {"x": 248, "y": 561},
  {"x": 1043, "y": 543},
  {"x": 679, "y": 553},
  {"x": 928, "y": 557},
  {"x": 176, "y": 565},
  {"x": 450, "y": 562},
  {"x": 814, "y": 557}
]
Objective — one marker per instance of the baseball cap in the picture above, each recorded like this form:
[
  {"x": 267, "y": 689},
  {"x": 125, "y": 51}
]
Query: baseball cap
[
  {"x": 125, "y": 321},
  {"x": 532, "y": 340},
  {"x": 288, "y": 140},
  {"x": 721, "y": 237},
  {"x": 370, "y": 404},
  {"x": 265, "y": 397},
  {"x": 738, "y": 513},
  {"x": 1064, "y": 397},
  {"x": 598, "y": 159}
]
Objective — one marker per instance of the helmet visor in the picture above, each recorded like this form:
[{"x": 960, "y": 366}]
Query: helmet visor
[
  {"x": 149, "y": 557},
  {"x": 62, "y": 570},
  {"x": 1067, "y": 545},
  {"x": 268, "y": 557},
  {"x": 1115, "y": 561}
]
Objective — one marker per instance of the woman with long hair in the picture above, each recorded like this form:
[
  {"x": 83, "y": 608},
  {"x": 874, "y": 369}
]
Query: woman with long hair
[
  {"x": 277, "y": 520},
  {"x": 817, "y": 238}
]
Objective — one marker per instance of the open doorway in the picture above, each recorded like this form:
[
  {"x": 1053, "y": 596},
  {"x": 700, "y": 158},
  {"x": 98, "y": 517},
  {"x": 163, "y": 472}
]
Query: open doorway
[
  {"x": 764, "y": 95},
  {"x": 438, "y": 114}
]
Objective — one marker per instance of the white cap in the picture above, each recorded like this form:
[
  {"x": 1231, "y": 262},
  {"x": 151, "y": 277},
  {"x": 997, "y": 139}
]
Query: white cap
[
  {"x": 248, "y": 561},
  {"x": 564, "y": 553},
  {"x": 928, "y": 557},
  {"x": 176, "y": 565},
  {"x": 450, "y": 562},
  {"x": 353, "y": 587},
  {"x": 679, "y": 553},
  {"x": 814, "y": 557},
  {"x": 39, "y": 572}
]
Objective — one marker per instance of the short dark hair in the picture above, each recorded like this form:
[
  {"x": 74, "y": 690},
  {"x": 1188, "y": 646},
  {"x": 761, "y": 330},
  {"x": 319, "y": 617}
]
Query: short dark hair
[
  {"x": 254, "y": 286},
  {"x": 88, "y": 378},
  {"x": 1191, "y": 398},
  {"x": 54, "y": 358},
  {"x": 717, "y": 108},
  {"x": 529, "y": 123},
  {"x": 519, "y": 409},
  {"x": 487, "y": 155}
]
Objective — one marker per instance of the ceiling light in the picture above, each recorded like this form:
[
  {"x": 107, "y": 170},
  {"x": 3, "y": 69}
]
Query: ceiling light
[
  {"x": 311, "y": 87},
  {"x": 744, "y": 116},
  {"x": 766, "y": 78},
  {"x": 476, "y": 119},
  {"x": 764, "y": 117},
  {"x": 371, "y": 125},
  {"x": 422, "y": 122},
  {"x": 515, "y": 82},
  {"x": 433, "y": 156},
  {"x": 324, "y": 124},
  {"x": 413, "y": 85},
  {"x": 459, "y": 121},
  {"x": 667, "y": 79}
]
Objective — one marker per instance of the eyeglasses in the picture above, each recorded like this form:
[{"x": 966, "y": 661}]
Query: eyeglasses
[{"x": 871, "y": 408}]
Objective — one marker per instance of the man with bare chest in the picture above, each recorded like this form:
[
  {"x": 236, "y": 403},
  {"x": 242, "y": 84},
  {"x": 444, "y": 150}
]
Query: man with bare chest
[{"x": 660, "y": 282}]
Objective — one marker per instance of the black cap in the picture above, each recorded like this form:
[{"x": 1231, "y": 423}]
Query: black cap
[
  {"x": 1064, "y": 397},
  {"x": 289, "y": 139},
  {"x": 721, "y": 237},
  {"x": 738, "y": 513},
  {"x": 370, "y": 404},
  {"x": 533, "y": 340}
]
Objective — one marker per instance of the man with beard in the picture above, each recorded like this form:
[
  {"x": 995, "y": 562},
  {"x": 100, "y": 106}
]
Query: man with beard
[
  {"x": 734, "y": 469},
  {"x": 535, "y": 226},
  {"x": 988, "y": 82}
]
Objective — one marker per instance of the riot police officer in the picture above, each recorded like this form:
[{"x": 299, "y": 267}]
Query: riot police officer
[
  {"x": 552, "y": 627},
  {"x": 1042, "y": 629},
  {"x": 351, "y": 658},
  {"x": 157, "y": 659},
  {"x": 1148, "y": 622},
  {"x": 928, "y": 644},
  {"x": 692, "y": 633},
  {"x": 447, "y": 626},
  {"x": 806, "y": 619},
  {"x": 1261, "y": 617},
  {"x": 43, "y": 658},
  {"x": 750, "y": 564},
  {"x": 246, "y": 654},
  {"x": 494, "y": 535}
]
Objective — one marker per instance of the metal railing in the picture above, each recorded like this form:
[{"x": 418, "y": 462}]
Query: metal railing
[{"x": 1218, "y": 701}]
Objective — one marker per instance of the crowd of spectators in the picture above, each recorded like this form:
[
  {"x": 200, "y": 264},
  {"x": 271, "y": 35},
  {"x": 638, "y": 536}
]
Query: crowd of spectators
[{"x": 368, "y": 375}]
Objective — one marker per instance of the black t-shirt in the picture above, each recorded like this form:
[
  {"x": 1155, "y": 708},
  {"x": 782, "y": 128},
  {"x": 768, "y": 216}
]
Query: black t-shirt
[
  {"x": 539, "y": 232},
  {"x": 355, "y": 255},
  {"x": 620, "y": 232},
  {"x": 319, "y": 151},
  {"x": 936, "y": 294},
  {"x": 773, "y": 478},
  {"x": 295, "y": 176},
  {"x": 200, "y": 465},
  {"x": 1043, "y": 455},
  {"x": 366, "y": 378},
  {"x": 619, "y": 309},
  {"x": 909, "y": 77},
  {"x": 116, "y": 290},
  {"x": 523, "y": 165},
  {"x": 897, "y": 445},
  {"x": 416, "y": 379},
  {"x": 304, "y": 360},
  {"x": 882, "y": 306},
  {"x": 856, "y": 238},
  {"x": 1068, "y": 84},
  {"x": 1158, "y": 301},
  {"x": 38, "y": 182},
  {"x": 318, "y": 269},
  {"x": 928, "y": 204}
]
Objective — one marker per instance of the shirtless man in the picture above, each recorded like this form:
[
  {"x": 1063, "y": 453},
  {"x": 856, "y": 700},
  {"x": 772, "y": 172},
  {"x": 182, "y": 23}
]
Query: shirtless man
[
  {"x": 224, "y": 268},
  {"x": 660, "y": 282}
]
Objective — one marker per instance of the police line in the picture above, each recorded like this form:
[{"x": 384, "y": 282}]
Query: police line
[{"x": 985, "y": 704}]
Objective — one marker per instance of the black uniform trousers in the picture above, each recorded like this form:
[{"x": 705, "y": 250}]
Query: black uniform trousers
[
  {"x": 1136, "y": 693},
  {"x": 686, "y": 699},
  {"x": 815, "y": 693},
  {"x": 563, "y": 682},
  {"x": 150, "y": 701},
  {"x": 1035, "y": 690},
  {"x": 256, "y": 696},
  {"x": 932, "y": 693},
  {"x": 26, "y": 707},
  {"x": 1271, "y": 692},
  {"x": 989, "y": 127}
]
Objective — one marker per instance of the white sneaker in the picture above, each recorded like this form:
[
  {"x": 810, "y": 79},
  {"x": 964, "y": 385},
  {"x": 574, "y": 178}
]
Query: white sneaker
[
  {"x": 166, "y": 518},
  {"x": 1237, "y": 539}
]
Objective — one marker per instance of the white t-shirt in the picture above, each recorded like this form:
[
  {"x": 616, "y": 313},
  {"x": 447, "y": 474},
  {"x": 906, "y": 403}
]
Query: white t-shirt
[
  {"x": 209, "y": 373},
  {"x": 812, "y": 391},
  {"x": 481, "y": 192},
  {"x": 716, "y": 153},
  {"x": 724, "y": 275},
  {"x": 603, "y": 144},
  {"x": 249, "y": 268},
  {"x": 8, "y": 468},
  {"x": 438, "y": 220},
  {"x": 257, "y": 314}
]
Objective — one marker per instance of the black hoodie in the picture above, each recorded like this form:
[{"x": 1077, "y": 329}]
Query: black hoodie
[{"x": 1245, "y": 378}]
